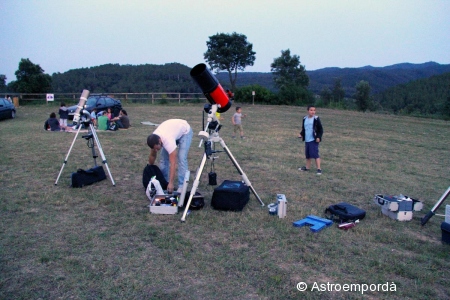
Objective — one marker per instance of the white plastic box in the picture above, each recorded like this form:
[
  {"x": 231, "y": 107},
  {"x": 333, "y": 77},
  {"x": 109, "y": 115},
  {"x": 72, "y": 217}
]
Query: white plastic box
[
  {"x": 165, "y": 209},
  {"x": 162, "y": 209}
]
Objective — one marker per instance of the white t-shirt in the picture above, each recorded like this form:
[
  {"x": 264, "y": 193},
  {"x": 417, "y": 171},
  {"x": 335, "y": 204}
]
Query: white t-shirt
[{"x": 170, "y": 131}]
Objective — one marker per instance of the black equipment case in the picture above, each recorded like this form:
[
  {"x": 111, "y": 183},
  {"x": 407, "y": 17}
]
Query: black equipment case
[
  {"x": 344, "y": 212},
  {"x": 230, "y": 195},
  {"x": 86, "y": 177}
]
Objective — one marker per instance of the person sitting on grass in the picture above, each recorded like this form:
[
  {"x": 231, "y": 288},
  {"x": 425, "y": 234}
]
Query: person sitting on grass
[
  {"x": 102, "y": 121},
  {"x": 122, "y": 120},
  {"x": 52, "y": 123}
]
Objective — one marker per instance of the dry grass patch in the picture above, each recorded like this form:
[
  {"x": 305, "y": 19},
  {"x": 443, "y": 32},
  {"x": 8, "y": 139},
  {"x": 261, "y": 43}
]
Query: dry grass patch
[{"x": 101, "y": 242}]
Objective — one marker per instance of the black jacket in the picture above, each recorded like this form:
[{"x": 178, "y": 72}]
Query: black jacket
[
  {"x": 63, "y": 112},
  {"x": 317, "y": 128},
  {"x": 52, "y": 124}
]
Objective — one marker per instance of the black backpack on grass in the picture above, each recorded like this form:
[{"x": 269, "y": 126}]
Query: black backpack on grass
[{"x": 149, "y": 172}]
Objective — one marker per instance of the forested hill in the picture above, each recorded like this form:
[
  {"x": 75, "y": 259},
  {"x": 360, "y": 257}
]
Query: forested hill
[
  {"x": 115, "y": 78},
  {"x": 428, "y": 96},
  {"x": 174, "y": 77},
  {"x": 379, "y": 78}
]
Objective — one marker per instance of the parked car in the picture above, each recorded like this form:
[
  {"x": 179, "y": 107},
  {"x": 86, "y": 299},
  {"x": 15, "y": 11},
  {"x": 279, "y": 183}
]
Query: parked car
[
  {"x": 7, "y": 109},
  {"x": 101, "y": 102}
]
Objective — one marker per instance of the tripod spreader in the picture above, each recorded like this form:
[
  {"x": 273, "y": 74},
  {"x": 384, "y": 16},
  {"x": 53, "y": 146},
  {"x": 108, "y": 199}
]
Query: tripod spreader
[{"x": 431, "y": 213}]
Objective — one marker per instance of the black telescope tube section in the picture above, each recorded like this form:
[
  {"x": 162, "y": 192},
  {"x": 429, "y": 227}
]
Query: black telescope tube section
[
  {"x": 204, "y": 78},
  {"x": 425, "y": 219},
  {"x": 211, "y": 87}
]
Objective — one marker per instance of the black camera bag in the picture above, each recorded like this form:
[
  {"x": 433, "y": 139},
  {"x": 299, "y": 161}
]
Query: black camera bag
[
  {"x": 230, "y": 195},
  {"x": 344, "y": 212},
  {"x": 197, "y": 202},
  {"x": 86, "y": 177},
  {"x": 149, "y": 172}
]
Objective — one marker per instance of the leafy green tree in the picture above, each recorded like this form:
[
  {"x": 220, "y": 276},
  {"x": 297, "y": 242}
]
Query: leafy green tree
[
  {"x": 290, "y": 78},
  {"x": 287, "y": 71},
  {"x": 326, "y": 95},
  {"x": 338, "y": 91},
  {"x": 230, "y": 52},
  {"x": 362, "y": 95},
  {"x": 2, "y": 83},
  {"x": 31, "y": 78},
  {"x": 446, "y": 108}
]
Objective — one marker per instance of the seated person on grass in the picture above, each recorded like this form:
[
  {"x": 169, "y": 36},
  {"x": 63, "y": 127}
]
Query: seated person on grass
[
  {"x": 122, "y": 120},
  {"x": 102, "y": 121},
  {"x": 52, "y": 123}
]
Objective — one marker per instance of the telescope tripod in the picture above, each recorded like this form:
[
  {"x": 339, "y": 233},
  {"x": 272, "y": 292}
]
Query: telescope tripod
[
  {"x": 432, "y": 212},
  {"x": 91, "y": 137},
  {"x": 209, "y": 143}
]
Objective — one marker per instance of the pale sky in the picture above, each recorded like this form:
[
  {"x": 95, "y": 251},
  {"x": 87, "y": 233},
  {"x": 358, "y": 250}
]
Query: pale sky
[{"x": 60, "y": 35}]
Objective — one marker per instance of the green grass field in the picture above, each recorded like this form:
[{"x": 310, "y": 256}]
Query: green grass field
[{"x": 101, "y": 242}]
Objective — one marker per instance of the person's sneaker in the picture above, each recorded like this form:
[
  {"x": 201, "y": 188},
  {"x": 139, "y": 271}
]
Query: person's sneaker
[
  {"x": 319, "y": 172},
  {"x": 303, "y": 169}
]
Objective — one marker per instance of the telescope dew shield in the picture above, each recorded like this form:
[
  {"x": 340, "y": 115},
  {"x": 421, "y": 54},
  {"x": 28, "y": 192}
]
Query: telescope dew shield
[
  {"x": 80, "y": 106},
  {"x": 210, "y": 87}
]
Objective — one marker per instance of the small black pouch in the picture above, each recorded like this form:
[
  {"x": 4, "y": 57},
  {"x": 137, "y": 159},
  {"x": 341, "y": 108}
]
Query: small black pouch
[{"x": 212, "y": 176}]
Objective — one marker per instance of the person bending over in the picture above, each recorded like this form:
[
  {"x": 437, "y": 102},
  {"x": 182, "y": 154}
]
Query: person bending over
[{"x": 166, "y": 137}]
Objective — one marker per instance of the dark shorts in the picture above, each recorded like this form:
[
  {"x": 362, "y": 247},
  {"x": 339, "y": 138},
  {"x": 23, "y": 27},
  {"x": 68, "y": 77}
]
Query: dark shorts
[{"x": 312, "y": 150}]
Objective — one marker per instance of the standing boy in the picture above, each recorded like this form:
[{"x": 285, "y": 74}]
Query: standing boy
[
  {"x": 311, "y": 133},
  {"x": 236, "y": 119},
  {"x": 63, "y": 115}
]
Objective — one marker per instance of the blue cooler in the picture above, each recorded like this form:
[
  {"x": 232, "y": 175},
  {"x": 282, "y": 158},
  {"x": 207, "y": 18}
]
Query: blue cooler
[{"x": 445, "y": 227}]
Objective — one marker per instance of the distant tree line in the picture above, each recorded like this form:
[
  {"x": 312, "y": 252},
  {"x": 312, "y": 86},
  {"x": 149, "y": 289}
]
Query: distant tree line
[
  {"x": 287, "y": 84},
  {"x": 115, "y": 78},
  {"x": 423, "y": 97}
]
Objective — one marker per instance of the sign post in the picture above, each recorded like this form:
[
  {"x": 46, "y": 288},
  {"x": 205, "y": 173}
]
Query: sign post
[
  {"x": 50, "y": 97},
  {"x": 253, "y": 96}
]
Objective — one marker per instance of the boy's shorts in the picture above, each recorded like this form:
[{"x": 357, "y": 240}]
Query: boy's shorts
[
  {"x": 238, "y": 127},
  {"x": 312, "y": 150}
]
